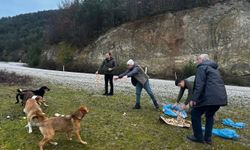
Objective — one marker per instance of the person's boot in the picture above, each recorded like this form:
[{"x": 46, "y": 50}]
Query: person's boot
[
  {"x": 156, "y": 104},
  {"x": 137, "y": 106},
  {"x": 106, "y": 90},
  {"x": 208, "y": 141},
  {"x": 194, "y": 139},
  {"x": 111, "y": 94}
]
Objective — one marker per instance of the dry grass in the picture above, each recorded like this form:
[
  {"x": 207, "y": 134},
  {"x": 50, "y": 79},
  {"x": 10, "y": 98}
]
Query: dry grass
[
  {"x": 105, "y": 127},
  {"x": 14, "y": 79}
]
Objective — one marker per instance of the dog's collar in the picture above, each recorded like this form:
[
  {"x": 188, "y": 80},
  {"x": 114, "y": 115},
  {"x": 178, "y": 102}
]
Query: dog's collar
[{"x": 76, "y": 118}]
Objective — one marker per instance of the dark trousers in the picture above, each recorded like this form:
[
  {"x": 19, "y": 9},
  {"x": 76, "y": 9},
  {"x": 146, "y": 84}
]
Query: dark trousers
[
  {"x": 109, "y": 78},
  {"x": 196, "y": 114}
]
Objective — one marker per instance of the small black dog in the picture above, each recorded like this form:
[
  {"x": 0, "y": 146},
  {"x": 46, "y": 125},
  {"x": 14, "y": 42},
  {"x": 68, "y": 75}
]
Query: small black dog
[{"x": 26, "y": 94}]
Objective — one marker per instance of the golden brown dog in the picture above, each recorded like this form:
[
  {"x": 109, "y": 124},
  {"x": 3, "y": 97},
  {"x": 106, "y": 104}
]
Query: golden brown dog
[
  {"x": 69, "y": 124},
  {"x": 33, "y": 111}
]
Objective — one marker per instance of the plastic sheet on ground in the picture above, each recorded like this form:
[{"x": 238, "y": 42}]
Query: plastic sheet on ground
[
  {"x": 172, "y": 111},
  {"x": 231, "y": 123},
  {"x": 225, "y": 133}
]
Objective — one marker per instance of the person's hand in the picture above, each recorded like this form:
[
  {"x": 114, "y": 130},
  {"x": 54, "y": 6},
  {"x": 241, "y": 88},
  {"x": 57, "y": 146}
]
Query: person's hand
[
  {"x": 185, "y": 107},
  {"x": 192, "y": 103},
  {"x": 96, "y": 72},
  {"x": 116, "y": 78},
  {"x": 125, "y": 77},
  {"x": 110, "y": 69},
  {"x": 175, "y": 104}
]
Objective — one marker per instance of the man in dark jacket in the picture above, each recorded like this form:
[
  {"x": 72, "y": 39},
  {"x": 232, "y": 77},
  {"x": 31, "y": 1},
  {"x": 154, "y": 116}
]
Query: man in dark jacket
[
  {"x": 184, "y": 84},
  {"x": 140, "y": 80},
  {"x": 107, "y": 67},
  {"x": 208, "y": 95}
]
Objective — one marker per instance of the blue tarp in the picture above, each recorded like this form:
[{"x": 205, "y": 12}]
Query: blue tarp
[
  {"x": 169, "y": 110},
  {"x": 225, "y": 133},
  {"x": 231, "y": 123}
]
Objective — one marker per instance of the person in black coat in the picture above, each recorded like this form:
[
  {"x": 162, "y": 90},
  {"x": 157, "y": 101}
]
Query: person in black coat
[
  {"x": 107, "y": 67},
  {"x": 208, "y": 95}
]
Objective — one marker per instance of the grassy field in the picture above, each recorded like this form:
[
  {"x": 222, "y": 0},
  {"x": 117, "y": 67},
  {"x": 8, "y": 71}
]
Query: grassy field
[{"x": 105, "y": 127}]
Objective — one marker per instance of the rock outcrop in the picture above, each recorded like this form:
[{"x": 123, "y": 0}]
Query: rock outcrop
[{"x": 166, "y": 42}]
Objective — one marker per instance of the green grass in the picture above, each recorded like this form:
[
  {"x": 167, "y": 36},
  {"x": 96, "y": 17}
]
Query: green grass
[{"x": 105, "y": 127}]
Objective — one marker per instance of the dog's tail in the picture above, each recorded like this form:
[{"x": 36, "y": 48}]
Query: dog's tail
[
  {"x": 37, "y": 118},
  {"x": 17, "y": 98},
  {"x": 19, "y": 91}
]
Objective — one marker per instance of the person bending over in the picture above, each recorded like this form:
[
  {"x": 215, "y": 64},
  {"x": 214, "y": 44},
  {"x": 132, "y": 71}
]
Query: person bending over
[
  {"x": 140, "y": 80},
  {"x": 184, "y": 84}
]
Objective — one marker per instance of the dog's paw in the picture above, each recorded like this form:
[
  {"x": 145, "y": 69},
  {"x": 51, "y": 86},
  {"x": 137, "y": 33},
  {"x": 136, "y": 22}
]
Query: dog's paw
[
  {"x": 84, "y": 143},
  {"x": 54, "y": 143},
  {"x": 30, "y": 131},
  {"x": 70, "y": 139}
]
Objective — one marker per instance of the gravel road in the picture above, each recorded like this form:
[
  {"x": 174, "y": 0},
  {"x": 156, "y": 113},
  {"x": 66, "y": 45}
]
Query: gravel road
[{"x": 162, "y": 88}]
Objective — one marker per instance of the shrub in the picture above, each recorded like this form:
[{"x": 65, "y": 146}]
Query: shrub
[
  {"x": 189, "y": 69},
  {"x": 120, "y": 68},
  {"x": 66, "y": 54},
  {"x": 14, "y": 79},
  {"x": 48, "y": 64}
]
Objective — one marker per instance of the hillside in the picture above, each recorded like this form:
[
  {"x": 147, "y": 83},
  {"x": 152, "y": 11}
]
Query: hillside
[
  {"x": 163, "y": 36},
  {"x": 24, "y": 35},
  {"x": 76, "y": 24},
  {"x": 165, "y": 43}
]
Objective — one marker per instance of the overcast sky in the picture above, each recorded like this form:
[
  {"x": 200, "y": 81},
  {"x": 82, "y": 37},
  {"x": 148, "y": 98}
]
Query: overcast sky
[{"x": 16, "y": 7}]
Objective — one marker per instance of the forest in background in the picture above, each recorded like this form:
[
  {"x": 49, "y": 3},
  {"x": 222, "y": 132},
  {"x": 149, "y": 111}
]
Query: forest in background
[{"x": 75, "y": 24}]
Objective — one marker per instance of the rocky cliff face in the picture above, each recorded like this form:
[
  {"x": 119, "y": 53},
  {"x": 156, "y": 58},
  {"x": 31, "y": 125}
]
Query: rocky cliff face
[{"x": 165, "y": 43}]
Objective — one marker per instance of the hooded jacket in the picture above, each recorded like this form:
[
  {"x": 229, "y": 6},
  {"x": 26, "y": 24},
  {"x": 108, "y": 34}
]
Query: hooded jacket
[
  {"x": 137, "y": 75},
  {"x": 209, "y": 88}
]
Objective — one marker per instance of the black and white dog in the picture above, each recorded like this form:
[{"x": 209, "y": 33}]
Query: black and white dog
[{"x": 26, "y": 94}]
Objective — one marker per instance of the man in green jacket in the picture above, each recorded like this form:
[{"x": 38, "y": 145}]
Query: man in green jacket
[
  {"x": 184, "y": 84},
  {"x": 140, "y": 80}
]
